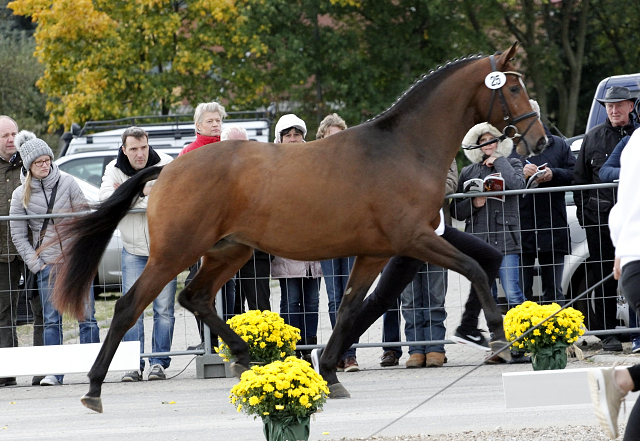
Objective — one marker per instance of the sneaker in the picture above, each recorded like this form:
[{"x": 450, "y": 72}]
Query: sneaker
[
  {"x": 157, "y": 373},
  {"x": 389, "y": 358},
  {"x": 606, "y": 397},
  {"x": 340, "y": 366},
  {"x": 131, "y": 376},
  {"x": 635, "y": 345},
  {"x": 35, "y": 381},
  {"x": 315, "y": 359},
  {"x": 50, "y": 380},
  {"x": 351, "y": 364},
  {"x": 474, "y": 339},
  {"x": 611, "y": 344}
]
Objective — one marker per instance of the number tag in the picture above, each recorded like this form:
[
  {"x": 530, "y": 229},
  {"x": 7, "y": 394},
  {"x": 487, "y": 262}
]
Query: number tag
[{"x": 495, "y": 80}]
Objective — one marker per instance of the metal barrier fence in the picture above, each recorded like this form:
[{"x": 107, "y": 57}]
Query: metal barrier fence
[{"x": 423, "y": 324}]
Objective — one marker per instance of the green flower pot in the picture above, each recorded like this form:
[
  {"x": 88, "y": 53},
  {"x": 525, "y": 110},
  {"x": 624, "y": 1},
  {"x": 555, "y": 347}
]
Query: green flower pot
[
  {"x": 550, "y": 357},
  {"x": 286, "y": 429}
]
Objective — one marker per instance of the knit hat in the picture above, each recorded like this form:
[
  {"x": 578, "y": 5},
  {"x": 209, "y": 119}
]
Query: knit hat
[
  {"x": 289, "y": 121},
  {"x": 471, "y": 138},
  {"x": 31, "y": 148}
]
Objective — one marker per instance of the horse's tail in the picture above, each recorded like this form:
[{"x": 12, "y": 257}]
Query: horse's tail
[{"x": 87, "y": 238}]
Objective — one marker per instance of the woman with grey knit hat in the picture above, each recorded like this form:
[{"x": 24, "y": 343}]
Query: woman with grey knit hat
[
  {"x": 43, "y": 181},
  {"x": 494, "y": 221}
]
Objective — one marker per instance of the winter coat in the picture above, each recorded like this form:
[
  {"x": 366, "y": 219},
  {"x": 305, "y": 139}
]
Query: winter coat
[
  {"x": 134, "y": 229},
  {"x": 594, "y": 205},
  {"x": 543, "y": 216},
  {"x": 610, "y": 171},
  {"x": 282, "y": 268},
  {"x": 199, "y": 142},
  {"x": 497, "y": 223},
  {"x": 10, "y": 175},
  {"x": 69, "y": 198}
]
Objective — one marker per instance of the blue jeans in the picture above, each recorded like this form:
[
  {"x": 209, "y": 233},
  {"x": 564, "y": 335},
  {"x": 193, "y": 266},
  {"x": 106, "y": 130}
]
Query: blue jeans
[
  {"x": 299, "y": 301},
  {"x": 391, "y": 328},
  {"x": 89, "y": 331},
  {"x": 163, "y": 318},
  {"x": 423, "y": 308},
  {"x": 510, "y": 279},
  {"x": 336, "y": 274}
]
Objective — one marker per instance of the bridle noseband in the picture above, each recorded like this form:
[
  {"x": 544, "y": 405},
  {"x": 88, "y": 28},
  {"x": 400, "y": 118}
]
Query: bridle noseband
[{"x": 510, "y": 131}]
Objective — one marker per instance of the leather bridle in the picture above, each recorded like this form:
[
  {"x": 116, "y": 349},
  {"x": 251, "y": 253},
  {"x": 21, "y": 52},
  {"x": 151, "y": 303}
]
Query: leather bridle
[{"x": 510, "y": 130}]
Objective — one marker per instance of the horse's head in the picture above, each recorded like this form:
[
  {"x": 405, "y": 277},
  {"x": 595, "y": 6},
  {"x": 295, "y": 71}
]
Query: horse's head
[{"x": 503, "y": 101}]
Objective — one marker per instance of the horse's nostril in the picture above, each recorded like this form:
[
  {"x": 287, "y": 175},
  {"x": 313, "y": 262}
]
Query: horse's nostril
[{"x": 542, "y": 142}]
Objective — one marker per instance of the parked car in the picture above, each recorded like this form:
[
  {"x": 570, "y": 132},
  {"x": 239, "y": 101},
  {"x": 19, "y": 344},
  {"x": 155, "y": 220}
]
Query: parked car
[{"x": 173, "y": 131}]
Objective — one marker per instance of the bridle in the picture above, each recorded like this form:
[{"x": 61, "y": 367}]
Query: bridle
[{"x": 510, "y": 131}]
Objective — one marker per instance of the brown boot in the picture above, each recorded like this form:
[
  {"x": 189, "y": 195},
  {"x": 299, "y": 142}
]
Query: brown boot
[
  {"x": 415, "y": 361},
  {"x": 435, "y": 359}
]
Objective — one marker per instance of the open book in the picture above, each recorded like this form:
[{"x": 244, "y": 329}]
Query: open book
[
  {"x": 493, "y": 182},
  {"x": 533, "y": 179}
]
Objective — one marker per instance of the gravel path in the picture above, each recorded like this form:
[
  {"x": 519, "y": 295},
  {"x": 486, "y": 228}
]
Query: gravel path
[{"x": 567, "y": 433}]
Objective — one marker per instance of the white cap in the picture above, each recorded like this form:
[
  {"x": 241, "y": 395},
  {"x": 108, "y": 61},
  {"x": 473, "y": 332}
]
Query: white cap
[{"x": 288, "y": 121}]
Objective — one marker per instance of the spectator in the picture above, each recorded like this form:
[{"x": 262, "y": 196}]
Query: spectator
[
  {"x": 208, "y": 124},
  {"x": 208, "y": 121},
  {"x": 252, "y": 283},
  {"x": 336, "y": 271},
  {"x": 134, "y": 155},
  {"x": 610, "y": 172},
  {"x": 299, "y": 281},
  {"x": 543, "y": 217},
  {"x": 423, "y": 302},
  {"x": 610, "y": 385},
  {"x": 11, "y": 265},
  {"x": 44, "y": 186},
  {"x": 593, "y": 207},
  {"x": 495, "y": 222}
]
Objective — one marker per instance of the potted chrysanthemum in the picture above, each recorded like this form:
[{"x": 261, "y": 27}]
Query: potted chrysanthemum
[
  {"x": 548, "y": 343},
  {"x": 268, "y": 336},
  {"x": 284, "y": 394}
]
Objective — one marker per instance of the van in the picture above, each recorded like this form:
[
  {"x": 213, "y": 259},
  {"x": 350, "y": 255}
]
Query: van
[{"x": 172, "y": 131}]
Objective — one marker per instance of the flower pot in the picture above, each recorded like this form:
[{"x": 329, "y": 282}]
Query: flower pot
[
  {"x": 286, "y": 429},
  {"x": 550, "y": 357}
]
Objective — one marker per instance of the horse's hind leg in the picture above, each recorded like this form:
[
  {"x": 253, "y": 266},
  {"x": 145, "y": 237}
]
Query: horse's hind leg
[
  {"x": 364, "y": 272},
  {"x": 127, "y": 310},
  {"x": 218, "y": 265}
]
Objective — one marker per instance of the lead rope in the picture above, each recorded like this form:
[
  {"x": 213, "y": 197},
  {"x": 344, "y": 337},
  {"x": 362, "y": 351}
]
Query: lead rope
[{"x": 497, "y": 352}]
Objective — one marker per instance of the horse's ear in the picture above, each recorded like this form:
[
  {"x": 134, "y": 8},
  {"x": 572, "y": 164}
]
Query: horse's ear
[{"x": 507, "y": 56}]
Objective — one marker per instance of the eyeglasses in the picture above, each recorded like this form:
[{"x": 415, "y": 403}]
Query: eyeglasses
[{"x": 43, "y": 162}]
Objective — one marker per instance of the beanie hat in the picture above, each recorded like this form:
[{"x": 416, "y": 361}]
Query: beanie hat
[
  {"x": 471, "y": 139},
  {"x": 289, "y": 121},
  {"x": 31, "y": 148}
]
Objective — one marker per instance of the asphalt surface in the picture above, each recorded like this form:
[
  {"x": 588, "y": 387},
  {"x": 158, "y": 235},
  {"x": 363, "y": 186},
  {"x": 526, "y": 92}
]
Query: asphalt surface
[{"x": 385, "y": 402}]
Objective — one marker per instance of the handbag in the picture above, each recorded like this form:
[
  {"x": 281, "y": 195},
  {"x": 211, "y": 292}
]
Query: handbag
[{"x": 31, "y": 278}]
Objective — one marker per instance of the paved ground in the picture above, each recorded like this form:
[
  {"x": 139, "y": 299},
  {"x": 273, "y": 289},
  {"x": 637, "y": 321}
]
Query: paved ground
[{"x": 186, "y": 408}]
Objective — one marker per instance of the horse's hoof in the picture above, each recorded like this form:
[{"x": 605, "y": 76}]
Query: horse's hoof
[
  {"x": 237, "y": 369},
  {"x": 93, "y": 403},
  {"x": 337, "y": 390}
]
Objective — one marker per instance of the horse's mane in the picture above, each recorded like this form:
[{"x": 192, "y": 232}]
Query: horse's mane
[{"x": 422, "y": 87}]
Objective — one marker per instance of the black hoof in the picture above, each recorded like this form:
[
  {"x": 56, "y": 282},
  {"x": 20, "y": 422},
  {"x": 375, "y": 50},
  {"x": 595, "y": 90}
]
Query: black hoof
[
  {"x": 237, "y": 369},
  {"x": 93, "y": 403},
  {"x": 337, "y": 390}
]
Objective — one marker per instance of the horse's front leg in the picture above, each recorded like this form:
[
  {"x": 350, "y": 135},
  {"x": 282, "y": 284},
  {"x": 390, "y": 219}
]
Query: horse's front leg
[{"x": 364, "y": 272}]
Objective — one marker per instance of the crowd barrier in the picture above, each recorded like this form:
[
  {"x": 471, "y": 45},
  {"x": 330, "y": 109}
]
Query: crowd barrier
[{"x": 576, "y": 277}]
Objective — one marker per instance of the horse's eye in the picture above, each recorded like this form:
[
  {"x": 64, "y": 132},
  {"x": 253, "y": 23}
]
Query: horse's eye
[{"x": 514, "y": 89}]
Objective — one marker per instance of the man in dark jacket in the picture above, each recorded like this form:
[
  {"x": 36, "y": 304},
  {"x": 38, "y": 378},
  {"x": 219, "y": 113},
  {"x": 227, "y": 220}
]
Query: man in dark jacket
[
  {"x": 543, "y": 217},
  {"x": 593, "y": 206},
  {"x": 11, "y": 264}
]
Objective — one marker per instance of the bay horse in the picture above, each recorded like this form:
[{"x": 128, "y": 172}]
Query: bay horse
[{"x": 382, "y": 186}]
